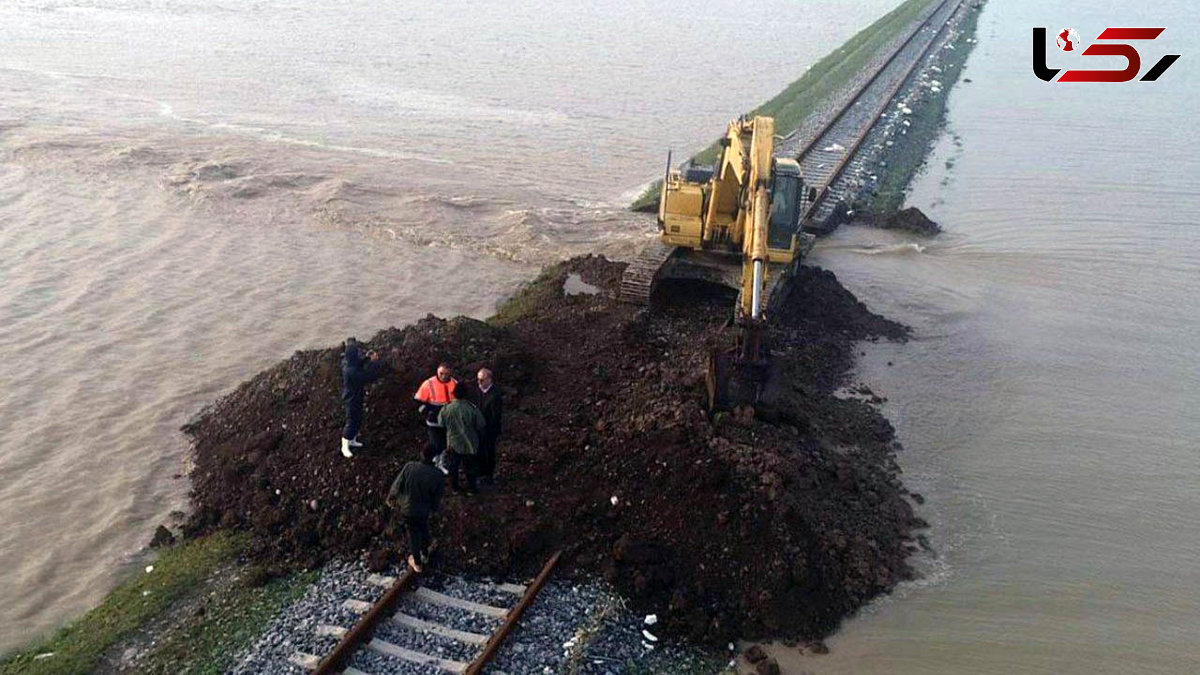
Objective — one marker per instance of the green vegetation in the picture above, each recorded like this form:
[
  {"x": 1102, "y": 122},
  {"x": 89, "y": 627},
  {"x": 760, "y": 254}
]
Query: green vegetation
[
  {"x": 78, "y": 647},
  {"x": 207, "y": 643},
  {"x": 804, "y": 96},
  {"x": 909, "y": 151},
  {"x": 547, "y": 285},
  {"x": 202, "y": 638}
]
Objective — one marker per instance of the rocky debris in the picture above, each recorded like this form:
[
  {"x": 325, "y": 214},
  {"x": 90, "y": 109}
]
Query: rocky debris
[
  {"x": 767, "y": 666},
  {"x": 781, "y": 520},
  {"x": 295, "y": 628},
  {"x": 162, "y": 537},
  {"x": 754, "y": 654}
]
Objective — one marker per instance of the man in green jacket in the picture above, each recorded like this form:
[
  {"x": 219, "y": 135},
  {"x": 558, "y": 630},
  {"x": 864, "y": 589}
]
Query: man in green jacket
[
  {"x": 416, "y": 492},
  {"x": 464, "y": 425}
]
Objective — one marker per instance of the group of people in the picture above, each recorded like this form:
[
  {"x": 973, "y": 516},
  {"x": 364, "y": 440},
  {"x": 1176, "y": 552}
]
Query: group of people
[{"x": 463, "y": 425}]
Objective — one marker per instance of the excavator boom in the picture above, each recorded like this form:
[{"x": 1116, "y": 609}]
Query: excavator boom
[{"x": 735, "y": 224}]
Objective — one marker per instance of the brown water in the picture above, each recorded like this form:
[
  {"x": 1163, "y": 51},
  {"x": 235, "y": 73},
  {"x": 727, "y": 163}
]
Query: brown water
[
  {"x": 1049, "y": 401},
  {"x": 192, "y": 189}
]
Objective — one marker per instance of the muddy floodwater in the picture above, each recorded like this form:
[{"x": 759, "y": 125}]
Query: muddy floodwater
[
  {"x": 192, "y": 190},
  {"x": 1048, "y": 401}
]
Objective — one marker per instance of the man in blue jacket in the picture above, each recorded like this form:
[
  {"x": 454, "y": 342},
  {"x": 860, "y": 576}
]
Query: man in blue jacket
[{"x": 356, "y": 374}]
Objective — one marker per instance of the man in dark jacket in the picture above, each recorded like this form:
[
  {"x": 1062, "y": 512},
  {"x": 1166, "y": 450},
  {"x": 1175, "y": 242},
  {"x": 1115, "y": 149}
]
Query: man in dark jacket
[
  {"x": 416, "y": 492},
  {"x": 356, "y": 374},
  {"x": 464, "y": 425},
  {"x": 489, "y": 401}
]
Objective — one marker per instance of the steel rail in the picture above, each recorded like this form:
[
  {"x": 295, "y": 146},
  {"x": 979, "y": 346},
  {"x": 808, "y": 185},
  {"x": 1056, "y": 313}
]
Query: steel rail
[
  {"x": 510, "y": 622},
  {"x": 354, "y": 638},
  {"x": 866, "y": 128},
  {"x": 867, "y": 85},
  {"x": 350, "y": 642}
]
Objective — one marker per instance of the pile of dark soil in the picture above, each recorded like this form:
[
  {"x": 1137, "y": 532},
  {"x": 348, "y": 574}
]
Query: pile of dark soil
[
  {"x": 729, "y": 526},
  {"x": 910, "y": 219}
]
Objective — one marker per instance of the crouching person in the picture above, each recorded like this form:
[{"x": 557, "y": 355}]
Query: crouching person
[{"x": 416, "y": 492}]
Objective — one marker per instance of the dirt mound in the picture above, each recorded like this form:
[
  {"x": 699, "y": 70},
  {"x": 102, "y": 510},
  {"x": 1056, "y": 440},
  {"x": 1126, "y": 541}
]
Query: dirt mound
[
  {"x": 911, "y": 219},
  {"x": 726, "y": 527}
]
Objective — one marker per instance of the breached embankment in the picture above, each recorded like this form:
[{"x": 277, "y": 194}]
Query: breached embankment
[{"x": 725, "y": 527}]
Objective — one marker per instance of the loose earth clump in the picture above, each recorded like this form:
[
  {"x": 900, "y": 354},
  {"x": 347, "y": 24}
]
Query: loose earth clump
[
  {"x": 910, "y": 219},
  {"x": 732, "y": 525}
]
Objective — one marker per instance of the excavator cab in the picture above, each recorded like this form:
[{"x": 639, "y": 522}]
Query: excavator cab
[{"x": 786, "y": 195}]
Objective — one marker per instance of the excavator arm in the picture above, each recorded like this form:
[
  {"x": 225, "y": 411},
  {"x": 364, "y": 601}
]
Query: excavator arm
[
  {"x": 735, "y": 224},
  {"x": 757, "y": 211}
]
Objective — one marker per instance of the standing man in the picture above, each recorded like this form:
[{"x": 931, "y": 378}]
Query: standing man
[
  {"x": 433, "y": 394},
  {"x": 464, "y": 425},
  {"x": 491, "y": 404},
  {"x": 356, "y": 374},
  {"x": 417, "y": 491}
]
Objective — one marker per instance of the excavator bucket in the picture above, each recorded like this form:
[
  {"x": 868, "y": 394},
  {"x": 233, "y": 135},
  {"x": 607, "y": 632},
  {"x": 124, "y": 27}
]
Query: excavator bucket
[{"x": 736, "y": 376}]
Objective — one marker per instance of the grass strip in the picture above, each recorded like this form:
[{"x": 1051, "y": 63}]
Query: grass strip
[
  {"x": 207, "y": 644},
  {"x": 78, "y": 647},
  {"x": 530, "y": 296},
  {"x": 818, "y": 84}
]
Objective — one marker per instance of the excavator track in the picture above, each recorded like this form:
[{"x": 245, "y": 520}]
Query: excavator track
[{"x": 637, "y": 283}]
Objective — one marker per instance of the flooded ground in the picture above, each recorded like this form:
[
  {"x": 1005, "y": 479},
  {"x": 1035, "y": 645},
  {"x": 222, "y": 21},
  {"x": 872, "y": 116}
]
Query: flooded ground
[
  {"x": 190, "y": 191},
  {"x": 1047, "y": 402}
]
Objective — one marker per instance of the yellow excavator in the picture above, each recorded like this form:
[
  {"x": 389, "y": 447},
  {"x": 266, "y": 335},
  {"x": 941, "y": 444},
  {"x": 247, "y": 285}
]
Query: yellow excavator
[{"x": 735, "y": 224}]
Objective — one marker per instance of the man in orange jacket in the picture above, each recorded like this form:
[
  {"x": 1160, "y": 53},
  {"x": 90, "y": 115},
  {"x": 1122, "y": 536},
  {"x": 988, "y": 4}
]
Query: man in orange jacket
[{"x": 433, "y": 394}]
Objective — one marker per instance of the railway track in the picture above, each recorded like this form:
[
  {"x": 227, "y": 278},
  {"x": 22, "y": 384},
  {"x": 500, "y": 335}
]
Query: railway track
[
  {"x": 416, "y": 628},
  {"x": 829, "y": 150},
  {"x": 826, "y": 148}
]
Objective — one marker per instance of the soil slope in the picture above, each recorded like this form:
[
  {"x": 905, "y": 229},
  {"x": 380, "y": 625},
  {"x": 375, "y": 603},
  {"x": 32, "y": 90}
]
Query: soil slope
[{"x": 730, "y": 526}]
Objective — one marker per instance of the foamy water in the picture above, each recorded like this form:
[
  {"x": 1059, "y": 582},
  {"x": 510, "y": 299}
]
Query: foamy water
[{"x": 191, "y": 190}]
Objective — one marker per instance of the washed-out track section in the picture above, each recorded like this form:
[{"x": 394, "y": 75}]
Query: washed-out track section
[
  {"x": 421, "y": 625},
  {"x": 826, "y": 153},
  {"x": 827, "y": 145}
]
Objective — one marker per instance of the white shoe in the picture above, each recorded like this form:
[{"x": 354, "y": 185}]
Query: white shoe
[
  {"x": 354, "y": 442},
  {"x": 346, "y": 448}
]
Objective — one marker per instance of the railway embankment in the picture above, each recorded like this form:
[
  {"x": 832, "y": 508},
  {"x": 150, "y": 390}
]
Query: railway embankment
[
  {"x": 725, "y": 526},
  {"x": 807, "y": 104}
]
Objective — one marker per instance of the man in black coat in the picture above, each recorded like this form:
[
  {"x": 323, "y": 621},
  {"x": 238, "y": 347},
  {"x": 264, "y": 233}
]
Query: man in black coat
[
  {"x": 491, "y": 404},
  {"x": 357, "y": 372},
  {"x": 416, "y": 492}
]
